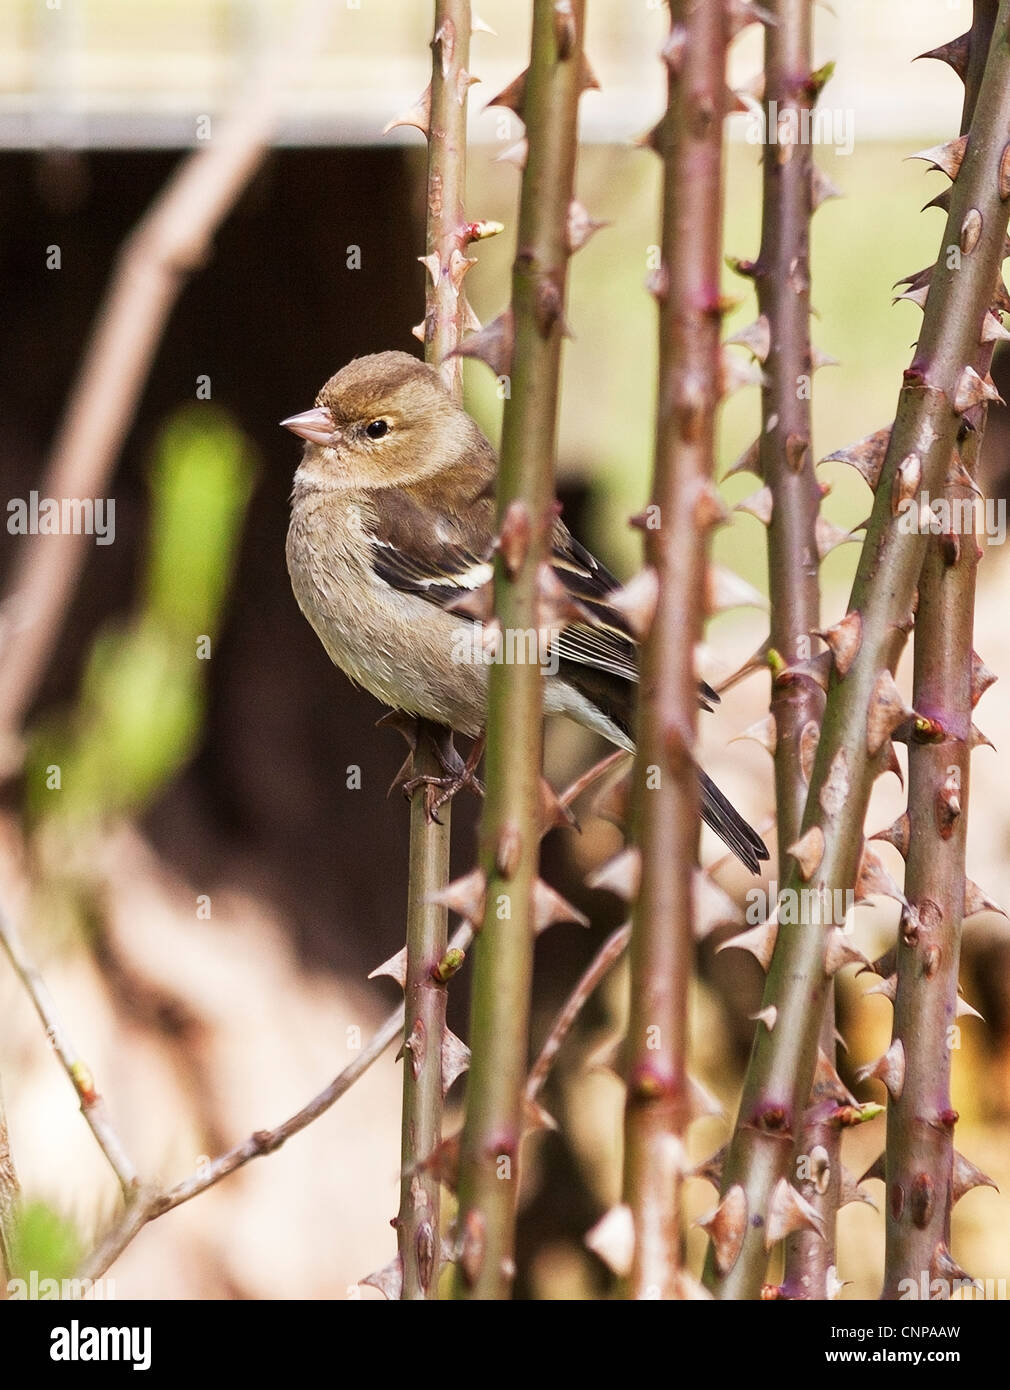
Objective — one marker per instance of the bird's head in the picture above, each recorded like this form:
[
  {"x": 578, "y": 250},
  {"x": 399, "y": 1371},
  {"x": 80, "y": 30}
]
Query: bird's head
[{"x": 383, "y": 420}]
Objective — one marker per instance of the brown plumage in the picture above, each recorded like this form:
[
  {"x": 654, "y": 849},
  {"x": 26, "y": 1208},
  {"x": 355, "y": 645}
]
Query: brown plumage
[{"x": 393, "y": 523}]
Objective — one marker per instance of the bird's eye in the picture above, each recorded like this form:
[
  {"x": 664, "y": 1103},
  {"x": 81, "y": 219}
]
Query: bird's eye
[{"x": 377, "y": 429}]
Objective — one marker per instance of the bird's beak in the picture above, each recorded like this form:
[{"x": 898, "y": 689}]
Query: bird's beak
[{"x": 317, "y": 425}]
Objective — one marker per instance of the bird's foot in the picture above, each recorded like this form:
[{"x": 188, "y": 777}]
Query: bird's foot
[{"x": 439, "y": 788}]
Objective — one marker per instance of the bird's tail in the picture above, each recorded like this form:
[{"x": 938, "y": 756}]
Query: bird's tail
[{"x": 723, "y": 817}]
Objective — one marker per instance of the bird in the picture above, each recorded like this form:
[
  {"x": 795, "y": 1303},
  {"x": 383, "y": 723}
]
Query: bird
[{"x": 392, "y": 533}]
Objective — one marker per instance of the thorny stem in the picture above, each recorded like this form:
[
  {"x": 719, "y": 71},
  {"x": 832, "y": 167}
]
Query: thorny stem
[
  {"x": 920, "y": 1121},
  {"x": 689, "y": 140},
  {"x": 150, "y": 1203},
  {"x": 92, "y": 1105},
  {"x": 418, "y": 1221},
  {"x": 782, "y": 277},
  {"x": 926, "y": 424},
  {"x": 510, "y": 833}
]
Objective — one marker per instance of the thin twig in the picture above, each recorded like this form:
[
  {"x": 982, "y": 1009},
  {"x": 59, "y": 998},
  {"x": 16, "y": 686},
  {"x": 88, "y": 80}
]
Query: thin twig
[
  {"x": 689, "y": 139},
  {"x": 602, "y": 963},
  {"x": 150, "y": 1203},
  {"x": 92, "y": 1104},
  {"x": 171, "y": 242}
]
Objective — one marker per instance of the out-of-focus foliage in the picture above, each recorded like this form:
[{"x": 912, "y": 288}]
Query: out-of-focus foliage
[
  {"x": 141, "y": 703},
  {"x": 45, "y": 1245}
]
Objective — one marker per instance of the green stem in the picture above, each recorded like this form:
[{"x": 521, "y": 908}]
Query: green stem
[
  {"x": 418, "y": 1223},
  {"x": 509, "y": 836}
]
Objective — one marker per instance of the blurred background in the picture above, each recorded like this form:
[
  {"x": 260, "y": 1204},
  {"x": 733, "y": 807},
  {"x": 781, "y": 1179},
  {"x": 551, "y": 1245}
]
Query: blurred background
[{"x": 209, "y": 884}]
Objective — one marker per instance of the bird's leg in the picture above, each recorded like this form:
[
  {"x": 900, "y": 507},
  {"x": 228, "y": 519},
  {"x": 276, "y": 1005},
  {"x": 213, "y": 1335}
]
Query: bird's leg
[{"x": 457, "y": 773}]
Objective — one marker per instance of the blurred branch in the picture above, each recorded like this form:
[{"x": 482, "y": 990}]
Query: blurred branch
[
  {"x": 92, "y": 1104},
  {"x": 418, "y": 1221},
  {"x": 510, "y": 826},
  {"x": 171, "y": 242},
  {"x": 150, "y": 1203},
  {"x": 689, "y": 140},
  {"x": 599, "y": 967}
]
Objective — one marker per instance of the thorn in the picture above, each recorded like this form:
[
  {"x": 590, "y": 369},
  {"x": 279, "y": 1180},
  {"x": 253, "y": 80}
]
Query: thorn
[
  {"x": 993, "y": 330},
  {"x": 808, "y": 851},
  {"x": 866, "y": 455},
  {"x": 763, "y": 732},
  {"x": 579, "y": 226},
  {"x": 887, "y": 710},
  {"x": 822, "y": 189},
  {"x": 981, "y": 678},
  {"x": 464, "y": 896},
  {"x": 724, "y": 590},
  {"x": 464, "y": 81},
  {"x": 897, "y": 834},
  {"x": 621, "y": 875},
  {"x": 637, "y": 601},
  {"x": 768, "y": 1016},
  {"x": 515, "y": 154},
  {"x": 395, "y": 967},
  {"x": 955, "y": 53},
  {"x": 947, "y": 804},
  {"x": 389, "y": 1280},
  {"x": 817, "y": 669},
  {"x": 947, "y": 157},
  {"x": 759, "y": 504},
  {"x": 839, "y": 953},
  {"x": 550, "y": 907},
  {"x": 735, "y": 374},
  {"x": 963, "y": 1009},
  {"x": 1004, "y": 174},
  {"x": 701, "y": 1103},
  {"x": 972, "y": 390},
  {"x": 828, "y": 537},
  {"x": 888, "y": 988},
  {"x": 740, "y": 13},
  {"x": 455, "y": 1059},
  {"x": 748, "y": 462},
  {"x": 613, "y": 1240},
  {"x": 975, "y": 900},
  {"x": 945, "y": 1267},
  {"x": 418, "y": 115},
  {"x": 756, "y": 338},
  {"x": 555, "y": 812},
  {"x": 852, "y": 1192},
  {"x": 493, "y": 344},
  {"x": 890, "y": 1069},
  {"x": 712, "y": 906},
  {"x": 757, "y": 661},
  {"x": 976, "y": 738},
  {"x": 613, "y": 802},
  {"x": 477, "y": 26},
  {"x": 726, "y": 1227},
  {"x": 760, "y": 941},
  {"x": 820, "y": 359},
  {"x": 844, "y": 638},
  {"x": 873, "y": 880},
  {"x": 711, "y": 1168},
  {"x": 513, "y": 96},
  {"x": 966, "y": 1176},
  {"x": 419, "y": 331},
  {"x": 709, "y": 509},
  {"x": 788, "y": 1212},
  {"x": 827, "y": 1084},
  {"x": 434, "y": 266}
]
